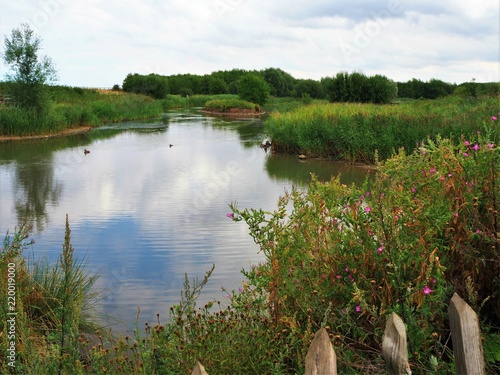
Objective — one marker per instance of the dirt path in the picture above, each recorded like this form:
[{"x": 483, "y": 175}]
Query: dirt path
[{"x": 63, "y": 133}]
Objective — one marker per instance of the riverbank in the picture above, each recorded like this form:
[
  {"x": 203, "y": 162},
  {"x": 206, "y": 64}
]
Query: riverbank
[
  {"x": 62, "y": 133},
  {"x": 73, "y": 107},
  {"x": 364, "y": 132},
  {"x": 235, "y": 112}
]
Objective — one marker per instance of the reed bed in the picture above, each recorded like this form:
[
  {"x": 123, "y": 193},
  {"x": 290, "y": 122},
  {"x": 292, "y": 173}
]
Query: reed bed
[
  {"x": 72, "y": 107},
  {"x": 224, "y": 105},
  {"x": 357, "y": 132},
  {"x": 178, "y": 101}
]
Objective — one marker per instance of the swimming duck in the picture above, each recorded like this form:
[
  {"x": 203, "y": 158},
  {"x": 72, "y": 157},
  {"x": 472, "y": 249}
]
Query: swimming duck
[{"x": 85, "y": 151}]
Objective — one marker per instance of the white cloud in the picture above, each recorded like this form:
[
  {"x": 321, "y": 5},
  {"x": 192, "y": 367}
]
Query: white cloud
[{"x": 98, "y": 42}]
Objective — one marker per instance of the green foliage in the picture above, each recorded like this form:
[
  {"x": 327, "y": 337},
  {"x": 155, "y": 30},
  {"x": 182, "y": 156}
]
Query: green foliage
[
  {"x": 357, "y": 87},
  {"x": 253, "y": 88},
  {"x": 225, "y": 105},
  {"x": 309, "y": 87},
  {"x": 21, "y": 54},
  {"x": 346, "y": 257},
  {"x": 72, "y": 107},
  {"x": 357, "y": 131},
  {"x": 280, "y": 83},
  {"x": 152, "y": 85},
  {"x": 417, "y": 89},
  {"x": 29, "y": 70},
  {"x": 54, "y": 304}
]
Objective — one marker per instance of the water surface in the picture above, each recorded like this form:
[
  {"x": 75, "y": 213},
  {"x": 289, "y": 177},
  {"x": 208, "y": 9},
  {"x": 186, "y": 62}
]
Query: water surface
[{"x": 149, "y": 202}]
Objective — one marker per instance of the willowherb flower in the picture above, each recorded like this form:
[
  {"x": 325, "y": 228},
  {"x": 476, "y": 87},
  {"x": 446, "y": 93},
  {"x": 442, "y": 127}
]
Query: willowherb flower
[
  {"x": 494, "y": 118},
  {"x": 358, "y": 309},
  {"x": 427, "y": 290},
  {"x": 465, "y": 154},
  {"x": 230, "y": 215},
  {"x": 368, "y": 209},
  {"x": 475, "y": 147},
  {"x": 467, "y": 143}
]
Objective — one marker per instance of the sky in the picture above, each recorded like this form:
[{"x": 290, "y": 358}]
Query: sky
[{"x": 96, "y": 43}]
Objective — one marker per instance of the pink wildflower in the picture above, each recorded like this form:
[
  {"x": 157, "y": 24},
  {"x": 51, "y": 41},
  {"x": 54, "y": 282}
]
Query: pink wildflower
[
  {"x": 380, "y": 249},
  {"x": 476, "y": 147},
  {"x": 467, "y": 143},
  {"x": 358, "y": 308},
  {"x": 494, "y": 118},
  {"x": 466, "y": 154},
  {"x": 230, "y": 215},
  {"x": 432, "y": 170},
  {"x": 427, "y": 290},
  {"x": 413, "y": 190},
  {"x": 491, "y": 145},
  {"x": 368, "y": 209}
]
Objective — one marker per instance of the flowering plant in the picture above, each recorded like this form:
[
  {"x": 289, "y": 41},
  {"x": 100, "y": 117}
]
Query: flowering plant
[{"x": 346, "y": 257}]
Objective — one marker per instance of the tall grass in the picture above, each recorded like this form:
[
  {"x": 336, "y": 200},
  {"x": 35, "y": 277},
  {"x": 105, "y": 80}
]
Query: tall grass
[
  {"x": 357, "y": 132},
  {"x": 225, "y": 105},
  {"x": 55, "y": 303},
  {"x": 72, "y": 107},
  {"x": 177, "y": 101}
]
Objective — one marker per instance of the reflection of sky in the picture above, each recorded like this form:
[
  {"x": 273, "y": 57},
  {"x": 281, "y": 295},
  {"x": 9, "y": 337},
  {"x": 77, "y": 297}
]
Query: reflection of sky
[{"x": 144, "y": 213}]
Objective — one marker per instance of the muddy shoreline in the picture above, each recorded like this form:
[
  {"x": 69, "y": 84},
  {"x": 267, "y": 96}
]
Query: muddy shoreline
[{"x": 63, "y": 133}]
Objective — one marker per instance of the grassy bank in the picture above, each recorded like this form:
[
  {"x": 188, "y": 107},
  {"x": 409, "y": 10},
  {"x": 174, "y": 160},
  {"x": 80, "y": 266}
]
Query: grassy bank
[
  {"x": 68, "y": 107},
  {"x": 193, "y": 101},
  {"x": 356, "y": 132},
  {"x": 228, "y": 105}
]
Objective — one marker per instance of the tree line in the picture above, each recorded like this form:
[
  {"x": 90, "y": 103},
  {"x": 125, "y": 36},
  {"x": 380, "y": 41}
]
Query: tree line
[{"x": 343, "y": 87}]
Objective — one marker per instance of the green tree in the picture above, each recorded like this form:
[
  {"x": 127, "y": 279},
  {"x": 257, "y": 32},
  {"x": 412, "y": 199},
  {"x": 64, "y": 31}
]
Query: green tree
[
  {"x": 309, "y": 87},
  {"x": 280, "y": 82},
  {"x": 384, "y": 90},
  {"x": 29, "y": 71},
  {"x": 153, "y": 85},
  {"x": 253, "y": 88}
]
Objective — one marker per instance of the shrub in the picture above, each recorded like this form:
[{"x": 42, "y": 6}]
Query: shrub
[
  {"x": 346, "y": 257},
  {"x": 253, "y": 88},
  {"x": 152, "y": 85}
]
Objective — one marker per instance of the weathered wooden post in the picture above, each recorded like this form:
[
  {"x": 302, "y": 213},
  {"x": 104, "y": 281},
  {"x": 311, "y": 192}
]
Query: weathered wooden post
[
  {"x": 466, "y": 337},
  {"x": 394, "y": 346},
  {"x": 321, "y": 358},
  {"x": 199, "y": 369}
]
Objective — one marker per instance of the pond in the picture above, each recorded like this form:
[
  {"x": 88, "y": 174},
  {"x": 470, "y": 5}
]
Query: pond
[{"x": 149, "y": 202}]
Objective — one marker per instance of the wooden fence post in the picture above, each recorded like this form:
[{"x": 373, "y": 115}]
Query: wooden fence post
[
  {"x": 321, "y": 358},
  {"x": 199, "y": 369},
  {"x": 466, "y": 337},
  {"x": 394, "y": 346}
]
